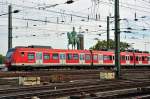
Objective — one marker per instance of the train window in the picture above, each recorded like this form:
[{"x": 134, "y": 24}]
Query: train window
[
  {"x": 137, "y": 58},
  {"x": 69, "y": 56},
  {"x": 62, "y": 56},
  {"x": 75, "y": 56},
  {"x": 94, "y": 57},
  {"x": 38, "y": 56},
  {"x": 113, "y": 57},
  {"x": 140, "y": 58},
  {"x": 146, "y": 58},
  {"x": 9, "y": 53},
  {"x": 22, "y": 54},
  {"x": 30, "y": 56},
  {"x": 123, "y": 58},
  {"x": 143, "y": 58},
  {"x": 88, "y": 57},
  {"x": 81, "y": 57},
  {"x": 47, "y": 56},
  {"x": 55, "y": 55},
  {"x": 100, "y": 57},
  {"x": 110, "y": 57},
  {"x": 131, "y": 58},
  {"x": 126, "y": 58},
  {"x": 149, "y": 58},
  {"x": 106, "y": 57}
]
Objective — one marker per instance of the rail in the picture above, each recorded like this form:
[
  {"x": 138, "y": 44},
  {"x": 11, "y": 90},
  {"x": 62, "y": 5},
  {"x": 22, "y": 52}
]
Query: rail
[{"x": 74, "y": 89}]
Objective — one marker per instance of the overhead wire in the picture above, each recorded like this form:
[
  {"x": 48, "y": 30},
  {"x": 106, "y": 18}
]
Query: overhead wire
[
  {"x": 51, "y": 11},
  {"x": 63, "y": 13}
]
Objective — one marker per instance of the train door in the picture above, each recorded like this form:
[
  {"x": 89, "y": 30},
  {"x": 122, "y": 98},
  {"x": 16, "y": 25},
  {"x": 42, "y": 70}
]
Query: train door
[
  {"x": 82, "y": 58},
  {"x": 100, "y": 58},
  {"x": 148, "y": 59},
  {"x": 62, "y": 58},
  {"x": 140, "y": 60},
  {"x": 39, "y": 59},
  {"x": 113, "y": 60},
  {"x": 127, "y": 60}
]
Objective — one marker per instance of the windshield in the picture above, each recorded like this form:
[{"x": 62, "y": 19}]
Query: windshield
[{"x": 9, "y": 53}]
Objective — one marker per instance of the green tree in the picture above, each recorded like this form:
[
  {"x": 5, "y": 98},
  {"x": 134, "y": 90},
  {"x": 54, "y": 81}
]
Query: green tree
[
  {"x": 2, "y": 59},
  {"x": 103, "y": 45}
]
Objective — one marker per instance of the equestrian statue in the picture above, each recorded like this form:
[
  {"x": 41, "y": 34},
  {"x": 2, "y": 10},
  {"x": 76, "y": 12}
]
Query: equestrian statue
[{"x": 73, "y": 39}]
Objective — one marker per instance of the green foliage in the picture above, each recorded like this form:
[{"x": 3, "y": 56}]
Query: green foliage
[
  {"x": 103, "y": 45},
  {"x": 2, "y": 59}
]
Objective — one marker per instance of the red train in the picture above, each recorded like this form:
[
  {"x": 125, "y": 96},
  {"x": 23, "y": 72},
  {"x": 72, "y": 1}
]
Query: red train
[{"x": 45, "y": 57}]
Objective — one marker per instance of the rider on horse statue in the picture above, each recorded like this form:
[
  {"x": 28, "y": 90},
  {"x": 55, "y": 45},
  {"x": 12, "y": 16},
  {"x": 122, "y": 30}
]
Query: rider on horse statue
[{"x": 73, "y": 39}]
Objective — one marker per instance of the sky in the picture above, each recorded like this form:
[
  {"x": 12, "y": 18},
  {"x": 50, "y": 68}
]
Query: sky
[{"x": 46, "y": 22}]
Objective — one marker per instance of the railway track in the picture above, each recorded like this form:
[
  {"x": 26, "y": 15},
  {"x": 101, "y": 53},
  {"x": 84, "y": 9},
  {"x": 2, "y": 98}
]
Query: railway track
[
  {"x": 49, "y": 72},
  {"x": 69, "y": 75},
  {"x": 53, "y": 86},
  {"x": 83, "y": 81},
  {"x": 4, "y": 92},
  {"x": 60, "y": 90},
  {"x": 66, "y": 72},
  {"x": 131, "y": 93}
]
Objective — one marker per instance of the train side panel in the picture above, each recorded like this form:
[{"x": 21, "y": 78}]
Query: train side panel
[{"x": 41, "y": 57}]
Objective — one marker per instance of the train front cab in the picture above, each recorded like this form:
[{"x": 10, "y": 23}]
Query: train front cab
[
  {"x": 35, "y": 58},
  {"x": 9, "y": 57}
]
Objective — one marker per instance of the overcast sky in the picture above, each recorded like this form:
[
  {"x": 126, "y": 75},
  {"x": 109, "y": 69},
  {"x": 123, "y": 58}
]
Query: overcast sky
[{"x": 46, "y": 22}]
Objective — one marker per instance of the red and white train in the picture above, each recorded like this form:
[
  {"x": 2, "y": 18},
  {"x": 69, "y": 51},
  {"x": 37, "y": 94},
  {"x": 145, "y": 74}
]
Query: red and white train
[{"x": 23, "y": 57}]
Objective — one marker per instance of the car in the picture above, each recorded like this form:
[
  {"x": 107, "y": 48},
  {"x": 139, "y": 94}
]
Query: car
[{"x": 46, "y": 57}]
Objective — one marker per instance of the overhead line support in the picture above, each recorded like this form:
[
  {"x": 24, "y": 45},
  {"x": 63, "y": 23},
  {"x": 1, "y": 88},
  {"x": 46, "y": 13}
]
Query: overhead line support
[
  {"x": 108, "y": 33},
  {"x": 9, "y": 26},
  {"x": 117, "y": 39}
]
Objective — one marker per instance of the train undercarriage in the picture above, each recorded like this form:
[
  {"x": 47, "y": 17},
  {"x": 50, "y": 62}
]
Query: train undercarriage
[{"x": 39, "y": 67}]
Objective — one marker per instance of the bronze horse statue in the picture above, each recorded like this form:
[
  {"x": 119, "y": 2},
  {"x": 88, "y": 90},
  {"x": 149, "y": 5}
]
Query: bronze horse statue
[{"x": 72, "y": 39}]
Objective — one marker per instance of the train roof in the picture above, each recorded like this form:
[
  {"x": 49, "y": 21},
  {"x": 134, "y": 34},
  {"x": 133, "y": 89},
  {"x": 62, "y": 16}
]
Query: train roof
[
  {"x": 49, "y": 48},
  {"x": 34, "y": 46}
]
